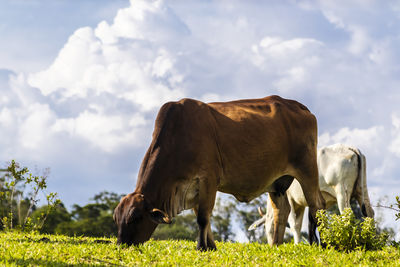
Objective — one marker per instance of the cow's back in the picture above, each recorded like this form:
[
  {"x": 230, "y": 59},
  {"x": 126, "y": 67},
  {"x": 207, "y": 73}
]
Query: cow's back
[
  {"x": 338, "y": 166},
  {"x": 261, "y": 140}
]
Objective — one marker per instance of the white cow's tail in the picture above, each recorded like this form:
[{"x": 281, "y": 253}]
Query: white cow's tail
[{"x": 360, "y": 190}]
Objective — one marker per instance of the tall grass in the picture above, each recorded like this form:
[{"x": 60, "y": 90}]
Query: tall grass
[{"x": 21, "y": 249}]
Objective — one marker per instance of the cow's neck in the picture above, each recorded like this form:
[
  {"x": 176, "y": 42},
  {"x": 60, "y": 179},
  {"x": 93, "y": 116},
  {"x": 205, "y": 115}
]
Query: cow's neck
[
  {"x": 158, "y": 182},
  {"x": 170, "y": 196},
  {"x": 161, "y": 194}
]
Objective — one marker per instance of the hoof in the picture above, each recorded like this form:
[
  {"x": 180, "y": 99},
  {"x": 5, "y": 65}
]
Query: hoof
[{"x": 204, "y": 249}]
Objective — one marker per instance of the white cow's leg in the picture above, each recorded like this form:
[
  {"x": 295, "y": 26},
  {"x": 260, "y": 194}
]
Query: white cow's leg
[
  {"x": 295, "y": 222},
  {"x": 343, "y": 198},
  {"x": 292, "y": 224},
  {"x": 280, "y": 205},
  {"x": 269, "y": 222}
]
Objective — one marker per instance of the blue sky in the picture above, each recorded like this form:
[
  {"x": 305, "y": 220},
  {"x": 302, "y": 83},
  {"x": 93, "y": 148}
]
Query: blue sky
[
  {"x": 82, "y": 81},
  {"x": 34, "y": 31}
]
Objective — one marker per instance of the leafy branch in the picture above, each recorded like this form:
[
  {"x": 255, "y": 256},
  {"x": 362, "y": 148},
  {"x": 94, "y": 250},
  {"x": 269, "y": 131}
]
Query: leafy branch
[{"x": 395, "y": 207}]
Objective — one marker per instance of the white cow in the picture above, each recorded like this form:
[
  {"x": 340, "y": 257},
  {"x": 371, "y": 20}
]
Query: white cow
[{"x": 342, "y": 175}]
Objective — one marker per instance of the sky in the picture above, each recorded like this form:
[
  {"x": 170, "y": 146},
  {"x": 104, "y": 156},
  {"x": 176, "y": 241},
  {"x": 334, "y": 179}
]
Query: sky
[{"x": 81, "y": 81}]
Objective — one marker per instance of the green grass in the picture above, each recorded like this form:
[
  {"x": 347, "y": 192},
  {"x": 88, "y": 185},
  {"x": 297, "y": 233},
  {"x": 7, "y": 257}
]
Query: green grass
[{"x": 21, "y": 249}]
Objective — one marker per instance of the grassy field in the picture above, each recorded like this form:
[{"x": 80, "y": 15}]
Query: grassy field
[{"x": 21, "y": 249}]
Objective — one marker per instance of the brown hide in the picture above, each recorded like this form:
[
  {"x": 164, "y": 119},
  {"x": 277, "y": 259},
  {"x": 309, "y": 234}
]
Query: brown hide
[{"x": 245, "y": 148}]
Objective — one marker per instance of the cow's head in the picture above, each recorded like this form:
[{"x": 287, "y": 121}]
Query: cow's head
[{"x": 136, "y": 219}]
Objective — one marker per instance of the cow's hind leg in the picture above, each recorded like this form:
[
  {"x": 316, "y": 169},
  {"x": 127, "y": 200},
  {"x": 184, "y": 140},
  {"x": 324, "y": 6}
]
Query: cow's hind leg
[
  {"x": 342, "y": 196},
  {"x": 308, "y": 179},
  {"x": 207, "y": 193},
  {"x": 281, "y": 208},
  {"x": 306, "y": 172}
]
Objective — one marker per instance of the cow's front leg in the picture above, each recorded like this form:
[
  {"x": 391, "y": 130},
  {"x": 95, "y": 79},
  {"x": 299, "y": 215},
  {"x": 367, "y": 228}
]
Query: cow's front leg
[
  {"x": 210, "y": 239},
  {"x": 207, "y": 193},
  {"x": 206, "y": 241}
]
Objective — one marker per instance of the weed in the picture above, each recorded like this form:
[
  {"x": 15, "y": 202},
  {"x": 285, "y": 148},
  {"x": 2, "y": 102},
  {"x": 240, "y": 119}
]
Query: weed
[{"x": 345, "y": 233}]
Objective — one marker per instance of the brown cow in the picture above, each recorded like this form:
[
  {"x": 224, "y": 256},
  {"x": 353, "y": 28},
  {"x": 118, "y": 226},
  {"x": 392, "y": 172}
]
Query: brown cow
[{"x": 244, "y": 148}]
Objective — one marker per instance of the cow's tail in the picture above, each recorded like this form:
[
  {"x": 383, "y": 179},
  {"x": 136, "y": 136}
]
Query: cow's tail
[{"x": 360, "y": 190}]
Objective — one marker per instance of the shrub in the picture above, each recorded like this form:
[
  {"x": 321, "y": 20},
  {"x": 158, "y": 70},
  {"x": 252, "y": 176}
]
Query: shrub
[
  {"x": 17, "y": 203},
  {"x": 346, "y": 233}
]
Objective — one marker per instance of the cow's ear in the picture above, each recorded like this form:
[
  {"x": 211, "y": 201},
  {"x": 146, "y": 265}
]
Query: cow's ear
[{"x": 159, "y": 216}]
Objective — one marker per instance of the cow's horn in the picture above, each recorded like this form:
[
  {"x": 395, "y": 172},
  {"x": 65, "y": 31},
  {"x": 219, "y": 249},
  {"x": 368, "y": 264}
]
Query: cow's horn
[
  {"x": 260, "y": 212},
  {"x": 159, "y": 216}
]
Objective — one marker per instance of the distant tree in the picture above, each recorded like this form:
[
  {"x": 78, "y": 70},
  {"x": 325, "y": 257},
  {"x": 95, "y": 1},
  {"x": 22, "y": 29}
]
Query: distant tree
[
  {"x": 93, "y": 219},
  {"x": 110, "y": 199},
  {"x": 183, "y": 226},
  {"x": 223, "y": 212},
  {"x": 56, "y": 216},
  {"x": 247, "y": 214}
]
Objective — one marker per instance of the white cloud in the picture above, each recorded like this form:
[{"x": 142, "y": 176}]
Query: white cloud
[
  {"x": 271, "y": 50},
  {"x": 394, "y": 145},
  {"x": 291, "y": 61},
  {"x": 127, "y": 59},
  {"x": 354, "y": 137},
  {"x": 33, "y": 132},
  {"x": 107, "y": 132}
]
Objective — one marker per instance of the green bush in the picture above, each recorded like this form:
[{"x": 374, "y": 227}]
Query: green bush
[{"x": 346, "y": 233}]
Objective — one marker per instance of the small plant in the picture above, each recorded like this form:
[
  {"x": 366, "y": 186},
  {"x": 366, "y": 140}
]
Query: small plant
[
  {"x": 396, "y": 207},
  {"x": 17, "y": 203},
  {"x": 345, "y": 233}
]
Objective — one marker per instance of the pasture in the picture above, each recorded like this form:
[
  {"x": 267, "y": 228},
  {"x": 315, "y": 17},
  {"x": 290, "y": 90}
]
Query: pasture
[{"x": 23, "y": 249}]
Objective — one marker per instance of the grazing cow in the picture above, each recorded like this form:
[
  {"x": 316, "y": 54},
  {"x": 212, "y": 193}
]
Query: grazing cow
[
  {"x": 342, "y": 176},
  {"x": 245, "y": 148}
]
